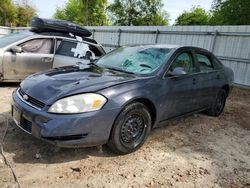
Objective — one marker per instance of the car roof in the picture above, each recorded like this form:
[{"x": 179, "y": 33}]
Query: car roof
[
  {"x": 154, "y": 45},
  {"x": 57, "y": 34},
  {"x": 170, "y": 46}
]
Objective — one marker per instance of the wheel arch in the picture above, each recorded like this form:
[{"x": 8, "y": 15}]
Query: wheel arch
[
  {"x": 152, "y": 111},
  {"x": 148, "y": 103}
]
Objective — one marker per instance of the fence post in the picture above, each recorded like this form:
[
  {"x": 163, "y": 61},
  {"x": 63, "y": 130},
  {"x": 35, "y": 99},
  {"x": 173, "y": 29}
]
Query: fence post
[
  {"x": 93, "y": 35},
  {"x": 214, "y": 40},
  {"x": 119, "y": 37},
  {"x": 11, "y": 30},
  {"x": 156, "y": 36}
]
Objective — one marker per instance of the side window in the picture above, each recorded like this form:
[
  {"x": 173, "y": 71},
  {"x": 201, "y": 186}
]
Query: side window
[
  {"x": 217, "y": 64},
  {"x": 184, "y": 60},
  {"x": 77, "y": 49},
  {"x": 42, "y": 46},
  {"x": 58, "y": 42},
  {"x": 204, "y": 63},
  {"x": 65, "y": 48}
]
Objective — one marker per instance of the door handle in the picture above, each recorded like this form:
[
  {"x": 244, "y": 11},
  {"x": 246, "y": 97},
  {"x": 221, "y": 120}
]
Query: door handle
[{"x": 47, "y": 59}]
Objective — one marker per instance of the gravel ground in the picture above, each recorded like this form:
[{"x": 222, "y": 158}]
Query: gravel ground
[{"x": 197, "y": 151}]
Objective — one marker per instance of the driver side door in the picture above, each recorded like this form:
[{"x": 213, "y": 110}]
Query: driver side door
[
  {"x": 36, "y": 55},
  {"x": 180, "y": 91}
]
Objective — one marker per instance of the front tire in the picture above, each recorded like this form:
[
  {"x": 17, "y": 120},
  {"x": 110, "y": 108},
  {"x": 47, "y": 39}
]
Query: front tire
[
  {"x": 218, "y": 106},
  {"x": 131, "y": 129}
]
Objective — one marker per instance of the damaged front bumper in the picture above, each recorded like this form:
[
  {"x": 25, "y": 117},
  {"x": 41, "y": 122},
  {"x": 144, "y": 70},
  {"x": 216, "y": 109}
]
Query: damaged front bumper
[{"x": 74, "y": 130}]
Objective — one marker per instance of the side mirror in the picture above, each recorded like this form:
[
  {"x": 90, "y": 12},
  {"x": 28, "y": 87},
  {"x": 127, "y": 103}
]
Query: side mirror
[
  {"x": 16, "y": 49},
  {"x": 178, "y": 71}
]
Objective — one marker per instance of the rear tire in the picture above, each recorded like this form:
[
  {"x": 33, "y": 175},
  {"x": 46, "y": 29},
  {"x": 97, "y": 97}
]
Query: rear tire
[
  {"x": 131, "y": 129},
  {"x": 218, "y": 106}
]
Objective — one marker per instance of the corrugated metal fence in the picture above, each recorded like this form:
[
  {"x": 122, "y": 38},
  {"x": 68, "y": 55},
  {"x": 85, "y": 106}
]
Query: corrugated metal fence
[
  {"x": 230, "y": 43},
  {"x": 8, "y": 30}
]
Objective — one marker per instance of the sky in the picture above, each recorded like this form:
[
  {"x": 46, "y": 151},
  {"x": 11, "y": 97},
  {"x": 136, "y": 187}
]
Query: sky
[
  {"x": 176, "y": 7},
  {"x": 46, "y": 8}
]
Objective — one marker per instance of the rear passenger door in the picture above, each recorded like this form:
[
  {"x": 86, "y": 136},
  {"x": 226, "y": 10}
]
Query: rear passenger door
[
  {"x": 209, "y": 78},
  {"x": 71, "y": 52}
]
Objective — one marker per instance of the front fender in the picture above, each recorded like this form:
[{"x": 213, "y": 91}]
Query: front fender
[{"x": 121, "y": 95}]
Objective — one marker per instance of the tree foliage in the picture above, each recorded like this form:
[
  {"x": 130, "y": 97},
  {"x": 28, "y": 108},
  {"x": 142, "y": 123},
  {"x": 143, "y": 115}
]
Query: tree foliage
[
  {"x": 83, "y": 12},
  {"x": 196, "y": 16},
  {"x": 24, "y": 13},
  {"x": 7, "y": 12},
  {"x": 137, "y": 12},
  {"x": 16, "y": 14},
  {"x": 230, "y": 12}
]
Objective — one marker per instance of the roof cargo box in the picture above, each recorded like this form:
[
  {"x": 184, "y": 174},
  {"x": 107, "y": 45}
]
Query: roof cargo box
[{"x": 39, "y": 25}]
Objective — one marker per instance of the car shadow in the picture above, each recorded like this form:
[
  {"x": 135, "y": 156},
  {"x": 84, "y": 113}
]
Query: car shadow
[
  {"x": 9, "y": 84},
  {"x": 28, "y": 149},
  {"x": 179, "y": 136}
]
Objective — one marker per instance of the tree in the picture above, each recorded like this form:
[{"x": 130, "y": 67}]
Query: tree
[
  {"x": 137, "y": 12},
  {"x": 123, "y": 12},
  {"x": 18, "y": 14},
  {"x": 24, "y": 12},
  {"x": 196, "y": 16},
  {"x": 230, "y": 12},
  {"x": 83, "y": 12},
  {"x": 7, "y": 13},
  {"x": 152, "y": 14}
]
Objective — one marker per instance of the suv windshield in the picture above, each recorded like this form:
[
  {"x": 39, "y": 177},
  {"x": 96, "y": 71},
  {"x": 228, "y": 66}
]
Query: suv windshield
[
  {"x": 9, "y": 39},
  {"x": 138, "y": 60}
]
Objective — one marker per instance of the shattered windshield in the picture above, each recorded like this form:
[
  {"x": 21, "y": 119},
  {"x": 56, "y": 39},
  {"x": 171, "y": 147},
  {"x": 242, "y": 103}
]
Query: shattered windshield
[
  {"x": 9, "y": 39},
  {"x": 138, "y": 60}
]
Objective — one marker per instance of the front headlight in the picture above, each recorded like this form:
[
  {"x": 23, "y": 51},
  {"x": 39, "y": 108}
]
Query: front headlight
[{"x": 78, "y": 103}]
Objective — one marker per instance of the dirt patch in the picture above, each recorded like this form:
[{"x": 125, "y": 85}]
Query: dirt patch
[{"x": 197, "y": 151}]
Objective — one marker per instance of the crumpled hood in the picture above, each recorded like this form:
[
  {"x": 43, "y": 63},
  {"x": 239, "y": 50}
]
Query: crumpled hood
[{"x": 65, "y": 81}]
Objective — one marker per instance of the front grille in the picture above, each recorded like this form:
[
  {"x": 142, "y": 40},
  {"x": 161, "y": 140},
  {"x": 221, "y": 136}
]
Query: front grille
[
  {"x": 26, "y": 125},
  {"x": 30, "y": 100}
]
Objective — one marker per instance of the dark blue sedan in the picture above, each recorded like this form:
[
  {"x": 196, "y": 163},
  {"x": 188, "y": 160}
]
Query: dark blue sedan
[{"x": 118, "y": 99}]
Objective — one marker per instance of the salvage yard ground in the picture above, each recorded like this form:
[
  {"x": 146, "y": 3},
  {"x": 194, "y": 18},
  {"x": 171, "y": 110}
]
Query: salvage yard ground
[{"x": 197, "y": 151}]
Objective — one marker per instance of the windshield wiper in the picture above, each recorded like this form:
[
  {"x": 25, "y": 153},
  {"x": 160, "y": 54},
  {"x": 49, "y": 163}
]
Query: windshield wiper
[{"x": 119, "y": 70}]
